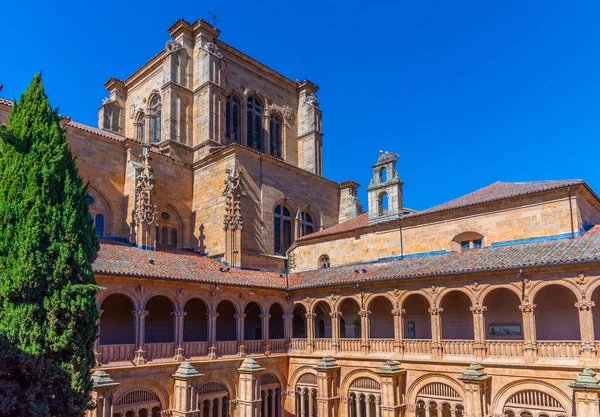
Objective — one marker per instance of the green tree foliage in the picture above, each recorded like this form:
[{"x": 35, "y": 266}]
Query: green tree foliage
[{"x": 47, "y": 245}]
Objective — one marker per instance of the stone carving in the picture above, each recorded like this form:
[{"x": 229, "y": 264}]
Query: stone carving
[
  {"x": 354, "y": 200},
  {"x": 241, "y": 296},
  {"x": 140, "y": 289},
  {"x": 582, "y": 279},
  {"x": 308, "y": 300},
  {"x": 476, "y": 286},
  {"x": 435, "y": 311},
  {"x": 172, "y": 45},
  {"x": 312, "y": 100},
  {"x": 180, "y": 293},
  {"x": 478, "y": 309},
  {"x": 584, "y": 305},
  {"x": 288, "y": 112},
  {"x": 106, "y": 100},
  {"x": 131, "y": 111},
  {"x": 433, "y": 289},
  {"x": 527, "y": 306},
  {"x": 212, "y": 49},
  {"x": 398, "y": 312},
  {"x": 234, "y": 190},
  {"x": 144, "y": 191},
  {"x": 334, "y": 297}
]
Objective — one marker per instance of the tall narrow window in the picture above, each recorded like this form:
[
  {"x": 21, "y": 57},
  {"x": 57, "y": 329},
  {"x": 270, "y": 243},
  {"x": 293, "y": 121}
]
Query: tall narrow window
[
  {"x": 156, "y": 109},
  {"x": 283, "y": 229},
  {"x": 306, "y": 224},
  {"x": 164, "y": 233},
  {"x": 99, "y": 225},
  {"x": 275, "y": 135},
  {"x": 255, "y": 111},
  {"x": 174, "y": 238},
  {"x": 140, "y": 127},
  {"x": 232, "y": 119}
]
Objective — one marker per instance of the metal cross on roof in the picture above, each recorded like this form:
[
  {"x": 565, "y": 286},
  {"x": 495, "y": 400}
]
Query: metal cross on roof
[{"x": 213, "y": 13}]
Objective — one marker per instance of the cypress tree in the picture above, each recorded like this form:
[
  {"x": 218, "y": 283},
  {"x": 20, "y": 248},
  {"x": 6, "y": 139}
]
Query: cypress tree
[{"x": 47, "y": 245}]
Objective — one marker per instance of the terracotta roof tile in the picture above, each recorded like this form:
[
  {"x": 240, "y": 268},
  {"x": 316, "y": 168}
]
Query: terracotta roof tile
[
  {"x": 6, "y": 102},
  {"x": 356, "y": 223},
  {"x": 565, "y": 251},
  {"x": 120, "y": 259}
]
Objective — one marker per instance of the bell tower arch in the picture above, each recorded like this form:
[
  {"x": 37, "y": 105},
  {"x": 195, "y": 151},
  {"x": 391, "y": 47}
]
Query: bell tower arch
[{"x": 385, "y": 189}]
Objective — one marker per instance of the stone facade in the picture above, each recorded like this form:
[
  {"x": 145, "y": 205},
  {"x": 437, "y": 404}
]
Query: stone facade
[{"x": 238, "y": 281}]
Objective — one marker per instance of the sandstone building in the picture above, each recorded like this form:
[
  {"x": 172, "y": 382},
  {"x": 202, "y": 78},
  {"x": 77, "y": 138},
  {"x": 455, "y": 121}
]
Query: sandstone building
[{"x": 237, "y": 280}]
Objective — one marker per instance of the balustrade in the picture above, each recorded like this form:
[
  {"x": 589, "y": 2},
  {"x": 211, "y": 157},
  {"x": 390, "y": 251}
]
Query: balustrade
[
  {"x": 254, "y": 346},
  {"x": 558, "y": 349},
  {"x": 227, "y": 348},
  {"x": 322, "y": 344},
  {"x": 457, "y": 347},
  {"x": 504, "y": 348},
  {"x": 116, "y": 353},
  {"x": 349, "y": 345},
  {"x": 159, "y": 350},
  {"x": 417, "y": 346},
  {"x": 382, "y": 345},
  {"x": 277, "y": 345},
  {"x": 298, "y": 345},
  {"x": 195, "y": 349}
]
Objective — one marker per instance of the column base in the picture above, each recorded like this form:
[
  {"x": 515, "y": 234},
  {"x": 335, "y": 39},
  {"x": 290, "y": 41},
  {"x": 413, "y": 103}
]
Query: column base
[
  {"x": 140, "y": 357},
  {"x": 530, "y": 352},
  {"x": 212, "y": 352},
  {"x": 365, "y": 347},
  {"x": 267, "y": 348},
  {"x": 436, "y": 350},
  {"x": 98, "y": 358},
  {"x": 242, "y": 351},
  {"x": 179, "y": 355}
]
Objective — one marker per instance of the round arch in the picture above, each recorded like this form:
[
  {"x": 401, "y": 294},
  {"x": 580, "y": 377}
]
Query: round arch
[
  {"x": 540, "y": 285},
  {"x": 100, "y": 205},
  {"x": 288, "y": 202},
  {"x": 416, "y": 319},
  {"x": 299, "y": 328},
  {"x": 354, "y": 375},
  {"x": 419, "y": 383},
  {"x": 440, "y": 297},
  {"x": 171, "y": 228},
  {"x": 117, "y": 323},
  {"x": 456, "y": 318},
  {"x": 381, "y": 319},
  {"x": 226, "y": 323},
  {"x": 195, "y": 322},
  {"x": 226, "y": 381},
  {"x": 144, "y": 384},
  {"x": 371, "y": 297},
  {"x": 529, "y": 384},
  {"x": 556, "y": 317},
  {"x": 489, "y": 288},
  {"x": 408, "y": 294},
  {"x": 298, "y": 373},
  {"x": 102, "y": 295},
  {"x": 335, "y": 306}
]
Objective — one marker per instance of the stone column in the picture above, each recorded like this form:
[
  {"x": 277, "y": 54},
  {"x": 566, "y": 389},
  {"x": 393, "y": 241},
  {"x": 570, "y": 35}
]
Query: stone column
[
  {"x": 391, "y": 400},
  {"x": 436, "y": 331},
  {"x": 310, "y": 327},
  {"x": 328, "y": 399},
  {"x": 212, "y": 334},
  {"x": 266, "y": 132},
  {"x": 364, "y": 330},
  {"x": 97, "y": 353},
  {"x": 368, "y": 405},
  {"x": 311, "y": 403},
  {"x": 586, "y": 326},
  {"x": 302, "y": 403},
  {"x": 249, "y": 398},
  {"x": 358, "y": 407},
  {"x": 476, "y": 382},
  {"x": 273, "y": 403},
  {"x": 241, "y": 337},
  {"x": 586, "y": 390},
  {"x": 378, "y": 407},
  {"x": 185, "y": 391},
  {"x": 266, "y": 344},
  {"x": 398, "y": 330},
  {"x": 140, "y": 330},
  {"x": 179, "y": 318},
  {"x": 288, "y": 321},
  {"x": 335, "y": 329},
  {"x": 220, "y": 410},
  {"x": 529, "y": 337},
  {"x": 102, "y": 394},
  {"x": 479, "y": 330}
]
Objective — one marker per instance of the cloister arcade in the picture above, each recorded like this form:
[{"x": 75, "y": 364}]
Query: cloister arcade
[
  {"x": 477, "y": 321},
  {"x": 306, "y": 396}
]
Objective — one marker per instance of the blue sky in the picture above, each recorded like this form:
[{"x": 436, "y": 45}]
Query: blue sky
[{"x": 467, "y": 92}]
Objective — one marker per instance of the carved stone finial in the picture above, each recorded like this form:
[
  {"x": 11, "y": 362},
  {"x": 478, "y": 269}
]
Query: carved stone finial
[
  {"x": 288, "y": 112},
  {"x": 106, "y": 100},
  {"x": 172, "y": 45},
  {"x": 213, "y": 49},
  {"x": 234, "y": 190},
  {"x": 312, "y": 100}
]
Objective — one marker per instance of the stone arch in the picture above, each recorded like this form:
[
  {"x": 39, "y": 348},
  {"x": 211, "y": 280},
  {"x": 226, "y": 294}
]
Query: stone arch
[
  {"x": 298, "y": 373},
  {"x": 529, "y": 384},
  {"x": 369, "y": 299},
  {"x": 456, "y": 318},
  {"x": 316, "y": 214},
  {"x": 540, "y": 285},
  {"x": 311, "y": 309},
  {"x": 276, "y": 321},
  {"x": 253, "y": 321},
  {"x": 322, "y": 319},
  {"x": 336, "y": 305},
  {"x": 299, "y": 325},
  {"x": 195, "y": 321},
  {"x": 416, "y": 318},
  {"x": 413, "y": 391},
  {"x": 285, "y": 201},
  {"x": 256, "y": 94},
  {"x": 100, "y": 206},
  {"x": 225, "y": 381},
  {"x": 350, "y": 321},
  {"x": 407, "y": 294},
  {"x": 229, "y": 331},
  {"x": 173, "y": 221},
  {"x": 150, "y": 295},
  {"x": 468, "y": 236},
  {"x": 117, "y": 325},
  {"x": 556, "y": 317},
  {"x": 276, "y": 372},
  {"x": 480, "y": 299},
  {"x": 440, "y": 297},
  {"x": 144, "y": 384},
  {"x": 353, "y": 376},
  {"x": 159, "y": 323},
  {"x": 381, "y": 319},
  {"x": 124, "y": 291},
  {"x": 502, "y": 317}
]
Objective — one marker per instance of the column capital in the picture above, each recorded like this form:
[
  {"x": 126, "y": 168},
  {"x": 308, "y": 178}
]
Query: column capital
[
  {"x": 478, "y": 309},
  {"x": 212, "y": 314},
  {"x": 264, "y": 316},
  {"x": 527, "y": 307},
  {"x": 179, "y": 313},
  {"x": 138, "y": 314},
  {"x": 398, "y": 312},
  {"x": 364, "y": 313},
  {"x": 240, "y": 316},
  {"x": 335, "y": 314},
  {"x": 435, "y": 311},
  {"x": 585, "y": 305},
  {"x": 310, "y": 315}
]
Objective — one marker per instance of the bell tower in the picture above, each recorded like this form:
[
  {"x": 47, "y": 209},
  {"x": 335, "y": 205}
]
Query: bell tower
[{"x": 385, "y": 189}]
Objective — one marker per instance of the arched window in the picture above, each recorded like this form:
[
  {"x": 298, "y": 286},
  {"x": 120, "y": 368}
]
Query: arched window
[
  {"x": 164, "y": 234},
  {"x": 167, "y": 235},
  {"x": 307, "y": 225},
  {"x": 232, "y": 119},
  {"x": 275, "y": 135},
  {"x": 382, "y": 203},
  {"x": 156, "y": 109},
  {"x": 99, "y": 225},
  {"x": 324, "y": 261},
  {"x": 139, "y": 127},
  {"x": 174, "y": 238},
  {"x": 255, "y": 111},
  {"x": 283, "y": 229}
]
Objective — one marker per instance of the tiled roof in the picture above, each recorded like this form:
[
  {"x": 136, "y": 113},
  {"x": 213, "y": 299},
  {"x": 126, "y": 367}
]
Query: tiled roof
[
  {"x": 125, "y": 260},
  {"x": 494, "y": 192},
  {"x": 6, "y": 102},
  {"x": 565, "y": 251},
  {"x": 96, "y": 131}
]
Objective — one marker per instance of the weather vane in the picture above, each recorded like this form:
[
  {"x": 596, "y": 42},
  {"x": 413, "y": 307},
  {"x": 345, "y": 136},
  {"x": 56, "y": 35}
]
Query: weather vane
[{"x": 213, "y": 13}]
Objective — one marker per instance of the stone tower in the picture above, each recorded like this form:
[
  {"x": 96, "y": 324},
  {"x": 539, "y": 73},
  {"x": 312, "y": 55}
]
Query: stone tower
[{"x": 385, "y": 185}]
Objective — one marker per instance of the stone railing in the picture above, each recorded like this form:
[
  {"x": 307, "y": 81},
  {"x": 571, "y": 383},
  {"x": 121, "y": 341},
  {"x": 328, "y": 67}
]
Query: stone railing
[
  {"x": 417, "y": 346},
  {"x": 227, "y": 348},
  {"x": 558, "y": 349},
  {"x": 322, "y": 345},
  {"x": 277, "y": 345},
  {"x": 381, "y": 345},
  {"x": 298, "y": 345},
  {"x": 116, "y": 353},
  {"x": 159, "y": 350},
  {"x": 349, "y": 345},
  {"x": 195, "y": 349},
  {"x": 504, "y": 348},
  {"x": 457, "y": 347},
  {"x": 254, "y": 346}
]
